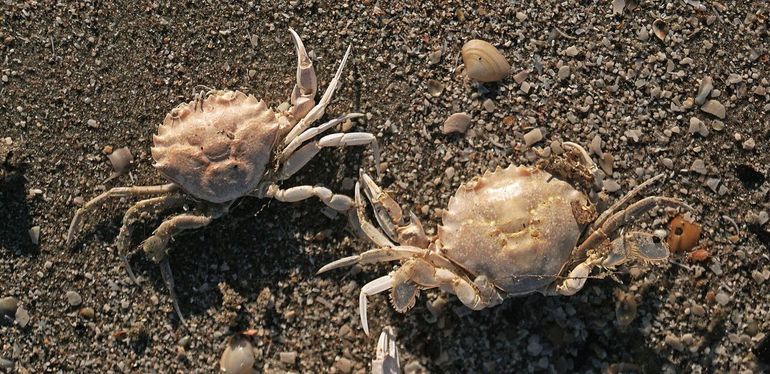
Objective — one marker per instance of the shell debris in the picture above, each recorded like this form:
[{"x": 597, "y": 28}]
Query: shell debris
[{"x": 457, "y": 122}]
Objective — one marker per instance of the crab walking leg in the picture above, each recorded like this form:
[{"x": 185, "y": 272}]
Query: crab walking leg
[
  {"x": 373, "y": 256},
  {"x": 625, "y": 199},
  {"x": 576, "y": 278},
  {"x": 132, "y": 215},
  {"x": 312, "y": 133},
  {"x": 338, "y": 202},
  {"x": 155, "y": 247},
  {"x": 303, "y": 155},
  {"x": 77, "y": 221},
  {"x": 374, "y": 287},
  {"x": 307, "y": 84},
  {"x": 318, "y": 110},
  {"x": 627, "y": 215}
]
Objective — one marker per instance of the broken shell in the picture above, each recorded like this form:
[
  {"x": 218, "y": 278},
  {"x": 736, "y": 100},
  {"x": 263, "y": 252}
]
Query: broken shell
[
  {"x": 698, "y": 255},
  {"x": 457, "y": 122},
  {"x": 121, "y": 160},
  {"x": 660, "y": 28},
  {"x": 483, "y": 62},
  {"x": 683, "y": 235},
  {"x": 238, "y": 357}
]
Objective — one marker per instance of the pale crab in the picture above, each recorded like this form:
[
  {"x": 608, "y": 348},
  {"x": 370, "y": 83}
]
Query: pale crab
[
  {"x": 225, "y": 145},
  {"x": 510, "y": 232}
]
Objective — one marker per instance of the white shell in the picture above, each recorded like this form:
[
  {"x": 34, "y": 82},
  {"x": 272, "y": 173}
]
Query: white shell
[
  {"x": 457, "y": 122},
  {"x": 238, "y": 357},
  {"x": 483, "y": 62}
]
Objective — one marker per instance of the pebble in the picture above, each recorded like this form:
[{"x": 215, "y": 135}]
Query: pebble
[
  {"x": 571, "y": 51},
  {"x": 22, "y": 317},
  {"x": 92, "y": 123},
  {"x": 344, "y": 365},
  {"x": 8, "y": 305},
  {"x": 704, "y": 90},
  {"x": 520, "y": 77},
  {"x": 722, "y": 298},
  {"x": 87, "y": 313},
  {"x": 610, "y": 185},
  {"x": 534, "y": 348},
  {"x": 34, "y": 235},
  {"x": 674, "y": 342},
  {"x": 749, "y": 144},
  {"x": 533, "y": 136},
  {"x": 288, "y": 357},
  {"x": 699, "y": 167},
  {"x": 73, "y": 298},
  {"x": 714, "y": 108},
  {"x": 697, "y": 126},
  {"x": 698, "y": 310},
  {"x": 489, "y": 105},
  {"x": 564, "y": 72}
]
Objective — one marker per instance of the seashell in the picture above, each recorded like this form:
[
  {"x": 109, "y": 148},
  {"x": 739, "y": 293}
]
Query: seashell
[
  {"x": 435, "y": 88},
  {"x": 457, "y": 122},
  {"x": 683, "y": 235},
  {"x": 483, "y": 62},
  {"x": 238, "y": 357},
  {"x": 121, "y": 160},
  {"x": 660, "y": 29}
]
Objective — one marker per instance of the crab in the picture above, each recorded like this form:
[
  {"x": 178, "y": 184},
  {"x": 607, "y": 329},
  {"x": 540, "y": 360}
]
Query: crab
[
  {"x": 510, "y": 232},
  {"x": 225, "y": 145}
]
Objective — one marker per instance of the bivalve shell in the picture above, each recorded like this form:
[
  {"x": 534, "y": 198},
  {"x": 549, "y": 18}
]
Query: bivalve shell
[
  {"x": 457, "y": 122},
  {"x": 483, "y": 62},
  {"x": 237, "y": 357}
]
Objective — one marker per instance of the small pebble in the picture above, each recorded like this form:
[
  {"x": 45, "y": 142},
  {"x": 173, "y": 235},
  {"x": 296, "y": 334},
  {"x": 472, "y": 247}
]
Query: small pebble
[
  {"x": 699, "y": 167},
  {"x": 34, "y": 235},
  {"x": 489, "y": 105},
  {"x": 714, "y": 108},
  {"x": 564, "y": 72},
  {"x": 704, "y": 90},
  {"x": 288, "y": 357},
  {"x": 343, "y": 365},
  {"x": 8, "y": 305},
  {"x": 521, "y": 76},
  {"x": 6, "y": 364},
  {"x": 749, "y": 144},
  {"x": 674, "y": 342},
  {"x": 571, "y": 51},
  {"x": 22, "y": 317},
  {"x": 533, "y": 136},
  {"x": 73, "y": 298},
  {"x": 93, "y": 124},
  {"x": 87, "y": 313},
  {"x": 722, "y": 298},
  {"x": 610, "y": 185},
  {"x": 698, "y": 310}
]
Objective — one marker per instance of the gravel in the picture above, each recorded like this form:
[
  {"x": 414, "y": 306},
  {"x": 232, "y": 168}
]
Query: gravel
[{"x": 105, "y": 74}]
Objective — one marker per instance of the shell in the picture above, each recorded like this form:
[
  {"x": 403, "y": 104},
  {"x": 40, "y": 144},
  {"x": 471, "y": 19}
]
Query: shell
[
  {"x": 457, "y": 122},
  {"x": 238, "y": 357},
  {"x": 217, "y": 150},
  {"x": 483, "y": 62},
  {"x": 683, "y": 235},
  {"x": 121, "y": 160},
  {"x": 660, "y": 28},
  {"x": 510, "y": 226}
]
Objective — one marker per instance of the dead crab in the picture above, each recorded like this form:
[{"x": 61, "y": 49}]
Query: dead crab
[
  {"x": 227, "y": 145},
  {"x": 510, "y": 232}
]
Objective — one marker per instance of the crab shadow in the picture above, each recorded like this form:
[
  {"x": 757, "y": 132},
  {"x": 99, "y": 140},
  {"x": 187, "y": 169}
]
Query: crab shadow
[
  {"x": 15, "y": 212},
  {"x": 570, "y": 334},
  {"x": 259, "y": 244}
]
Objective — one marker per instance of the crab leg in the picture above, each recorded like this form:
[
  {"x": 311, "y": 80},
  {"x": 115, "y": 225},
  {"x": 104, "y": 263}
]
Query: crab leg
[
  {"x": 374, "y": 287},
  {"x": 374, "y": 256},
  {"x": 302, "y": 156},
  {"x": 132, "y": 215},
  {"x": 623, "y": 200},
  {"x": 362, "y": 225},
  {"x": 318, "y": 111},
  {"x": 338, "y": 202},
  {"x": 312, "y": 133},
  {"x": 386, "y": 354},
  {"x": 587, "y": 162},
  {"x": 307, "y": 84},
  {"x": 624, "y": 216},
  {"x": 77, "y": 221},
  {"x": 155, "y": 247}
]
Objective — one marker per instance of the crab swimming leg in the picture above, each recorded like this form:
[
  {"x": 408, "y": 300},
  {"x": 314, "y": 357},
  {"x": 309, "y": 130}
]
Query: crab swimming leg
[{"x": 389, "y": 215}]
